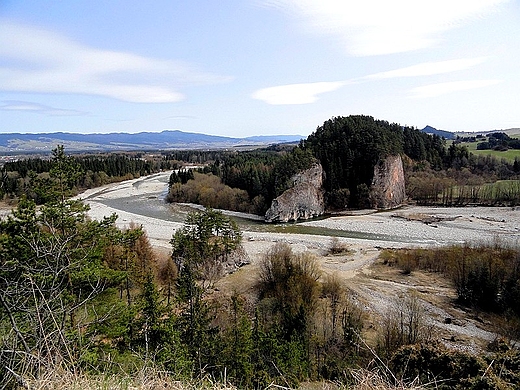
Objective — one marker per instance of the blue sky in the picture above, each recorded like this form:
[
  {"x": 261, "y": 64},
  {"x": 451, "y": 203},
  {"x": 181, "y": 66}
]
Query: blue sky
[{"x": 257, "y": 67}]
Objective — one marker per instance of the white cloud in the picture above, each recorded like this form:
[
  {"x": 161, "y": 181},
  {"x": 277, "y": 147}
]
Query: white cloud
[
  {"x": 34, "y": 60},
  {"x": 434, "y": 90},
  {"x": 373, "y": 27},
  {"x": 305, "y": 93},
  {"x": 15, "y": 105},
  {"x": 428, "y": 68},
  {"x": 296, "y": 93}
]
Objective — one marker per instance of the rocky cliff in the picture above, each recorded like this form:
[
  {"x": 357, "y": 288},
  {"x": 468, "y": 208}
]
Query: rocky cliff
[
  {"x": 304, "y": 200},
  {"x": 388, "y": 187}
]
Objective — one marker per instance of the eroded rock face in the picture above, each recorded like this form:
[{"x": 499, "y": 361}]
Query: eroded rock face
[
  {"x": 304, "y": 200},
  {"x": 388, "y": 186}
]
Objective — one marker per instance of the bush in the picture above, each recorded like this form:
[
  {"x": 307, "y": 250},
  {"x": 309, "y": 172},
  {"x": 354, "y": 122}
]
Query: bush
[
  {"x": 485, "y": 276},
  {"x": 442, "y": 368},
  {"x": 337, "y": 247},
  {"x": 403, "y": 324},
  {"x": 291, "y": 280},
  {"x": 208, "y": 190}
]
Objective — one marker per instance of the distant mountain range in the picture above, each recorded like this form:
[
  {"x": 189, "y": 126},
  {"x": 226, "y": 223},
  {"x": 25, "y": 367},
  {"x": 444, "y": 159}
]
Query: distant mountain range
[
  {"x": 167, "y": 139},
  {"x": 18, "y": 143}
]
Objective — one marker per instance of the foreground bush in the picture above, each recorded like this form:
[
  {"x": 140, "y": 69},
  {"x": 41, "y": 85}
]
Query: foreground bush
[{"x": 438, "y": 367}]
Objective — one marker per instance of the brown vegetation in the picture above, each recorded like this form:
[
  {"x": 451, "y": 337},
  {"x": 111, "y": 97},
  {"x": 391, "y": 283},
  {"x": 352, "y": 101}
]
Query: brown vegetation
[
  {"x": 460, "y": 187},
  {"x": 209, "y": 191},
  {"x": 338, "y": 247},
  {"x": 485, "y": 277}
]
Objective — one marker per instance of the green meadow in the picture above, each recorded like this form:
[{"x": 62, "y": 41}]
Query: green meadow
[{"x": 509, "y": 155}]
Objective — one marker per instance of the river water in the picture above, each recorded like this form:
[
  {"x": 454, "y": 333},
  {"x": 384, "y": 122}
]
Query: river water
[{"x": 143, "y": 199}]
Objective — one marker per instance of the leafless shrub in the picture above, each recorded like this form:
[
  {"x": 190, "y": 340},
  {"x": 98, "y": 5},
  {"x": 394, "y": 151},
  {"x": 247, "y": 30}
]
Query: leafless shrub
[
  {"x": 208, "y": 190},
  {"x": 338, "y": 247},
  {"x": 404, "y": 323},
  {"x": 375, "y": 380},
  {"x": 290, "y": 281},
  {"x": 333, "y": 290}
]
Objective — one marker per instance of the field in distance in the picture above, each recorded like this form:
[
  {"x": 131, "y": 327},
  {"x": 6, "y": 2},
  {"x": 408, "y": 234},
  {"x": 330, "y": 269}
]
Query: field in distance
[{"x": 471, "y": 142}]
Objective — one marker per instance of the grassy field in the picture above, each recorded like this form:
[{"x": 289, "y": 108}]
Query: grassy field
[{"x": 508, "y": 155}]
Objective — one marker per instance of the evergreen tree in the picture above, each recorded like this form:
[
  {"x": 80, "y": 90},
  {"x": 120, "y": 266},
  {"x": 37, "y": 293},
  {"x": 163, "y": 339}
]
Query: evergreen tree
[
  {"x": 204, "y": 243},
  {"x": 51, "y": 266},
  {"x": 198, "y": 249},
  {"x": 348, "y": 149},
  {"x": 238, "y": 345}
]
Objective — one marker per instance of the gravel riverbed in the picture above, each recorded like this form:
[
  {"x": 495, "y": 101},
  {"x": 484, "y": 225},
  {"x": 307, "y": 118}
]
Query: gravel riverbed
[{"x": 407, "y": 226}]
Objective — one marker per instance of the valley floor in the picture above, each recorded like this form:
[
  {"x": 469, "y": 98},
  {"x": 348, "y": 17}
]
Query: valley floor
[{"x": 375, "y": 286}]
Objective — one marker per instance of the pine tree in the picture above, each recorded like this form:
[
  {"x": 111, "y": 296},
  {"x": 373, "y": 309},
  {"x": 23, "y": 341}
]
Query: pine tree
[{"x": 51, "y": 266}]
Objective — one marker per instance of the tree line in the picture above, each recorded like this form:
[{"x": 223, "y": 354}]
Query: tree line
[
  {"x": 465, "y": 179},
  {"x": 245, "y": 181},
  {"x": 19, "y": 177},
  {"x": 349, "y": 147},
  {"x": 499, "y": 141}
]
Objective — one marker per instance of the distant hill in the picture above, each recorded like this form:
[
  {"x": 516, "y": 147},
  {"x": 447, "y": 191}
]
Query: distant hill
[
  {"x": 514, "y": 132},
  {"x": 441, "y": 133},
  {"x": 167, "y": 139}
]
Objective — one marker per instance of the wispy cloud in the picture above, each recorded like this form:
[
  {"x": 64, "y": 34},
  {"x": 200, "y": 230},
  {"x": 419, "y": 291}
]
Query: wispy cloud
[
  {"x": 15, "y": 105},
  {"x": 180, "y": 117},
  {"x": 374, "y": 27},
  {"x": 296, "y": 93},
  {"x": 305, "y": 93},
  {"x": 35, "y": 60},
  {"x": 429, "y": 68},
  {"x": 434, "y": 90}
]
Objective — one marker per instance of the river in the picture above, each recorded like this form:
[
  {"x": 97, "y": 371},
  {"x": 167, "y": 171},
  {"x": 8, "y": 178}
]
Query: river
[
  {"x": 142, "y": 201},
  {"x": 145, "y": 197}
]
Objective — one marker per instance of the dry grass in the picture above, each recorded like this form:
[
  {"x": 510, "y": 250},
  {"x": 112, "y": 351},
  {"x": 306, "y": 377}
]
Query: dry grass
[
  {"x": 373, "y": 380},
  {"x": 145, "y": 379},
  {"x": 152, "y": 379},
  {"x": 364, "y": 379}
]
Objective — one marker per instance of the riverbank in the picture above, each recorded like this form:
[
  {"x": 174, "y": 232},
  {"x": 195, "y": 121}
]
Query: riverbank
[{"x": 407, "y": 226}]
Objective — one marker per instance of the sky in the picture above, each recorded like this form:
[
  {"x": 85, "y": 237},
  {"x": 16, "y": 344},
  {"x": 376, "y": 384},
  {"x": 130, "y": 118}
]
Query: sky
[{"x": 240, "y": 68}]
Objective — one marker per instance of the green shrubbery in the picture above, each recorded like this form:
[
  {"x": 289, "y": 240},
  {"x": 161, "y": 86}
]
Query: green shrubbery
[
  {"x": 111, "y": 308},
  {"x": 436, "y": 366}
]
